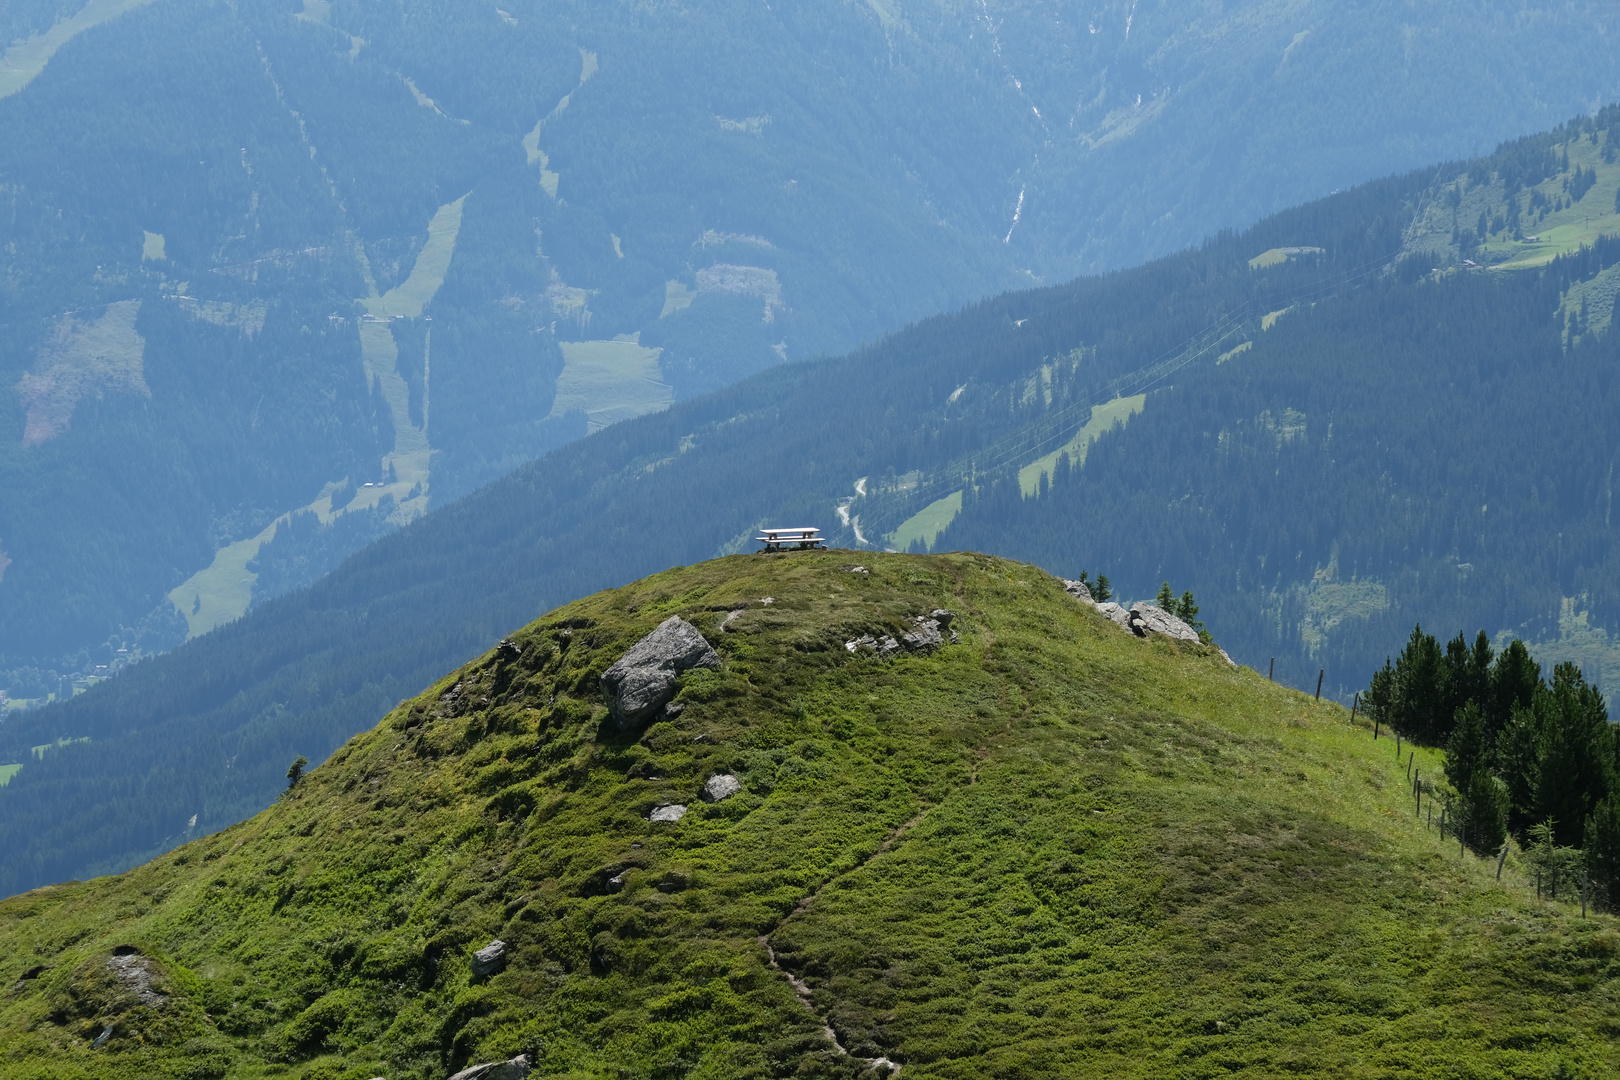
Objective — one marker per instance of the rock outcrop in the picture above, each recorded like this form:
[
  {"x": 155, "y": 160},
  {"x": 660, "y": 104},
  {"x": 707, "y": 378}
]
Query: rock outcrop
[
  {"x": 671, "y": 812},
  {"x": 885, "y": 646},
  {"x": 1078, "y": 590},
  {"x": 926, "y": 638},
  {"x": 490, "y": 959},
  {"x": 1142, "y": 619},
  {"x": 515, "y": 1069},
  {"x": 643, "y": 680},
  {"x": 1116, "y": 613},
  {"x": 929, "y": 635},
  {"x": 720, "y": 786},
  {"x": 135, "y": 971},
  {"x": 1148, "y": 619}
]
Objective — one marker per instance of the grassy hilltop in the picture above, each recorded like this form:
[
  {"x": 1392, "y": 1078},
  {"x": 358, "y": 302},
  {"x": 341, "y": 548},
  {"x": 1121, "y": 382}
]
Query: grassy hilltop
[{"x": 1052, "y": 849}]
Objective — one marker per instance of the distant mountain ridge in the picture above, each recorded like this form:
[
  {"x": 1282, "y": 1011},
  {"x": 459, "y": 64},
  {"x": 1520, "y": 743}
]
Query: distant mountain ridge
[{"x": 582, "y": 213}]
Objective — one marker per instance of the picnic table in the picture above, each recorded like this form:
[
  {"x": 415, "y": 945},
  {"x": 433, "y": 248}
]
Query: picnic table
[{"x": 802, "y": 539}]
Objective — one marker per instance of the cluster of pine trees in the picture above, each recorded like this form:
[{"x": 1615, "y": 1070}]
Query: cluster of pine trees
[{"x": 1526, "y": 756}]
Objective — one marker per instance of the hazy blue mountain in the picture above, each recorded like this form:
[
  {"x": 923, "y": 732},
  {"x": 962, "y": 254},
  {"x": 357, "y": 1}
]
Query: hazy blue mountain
[{"x": 276, "y": 278}]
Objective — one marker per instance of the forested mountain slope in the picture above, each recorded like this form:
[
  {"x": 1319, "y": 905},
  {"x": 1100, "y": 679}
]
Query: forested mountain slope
[
  {"x": 1046, "y": 848},
  {"x": 1337, "y": 508},
  {"x": 197, "y": 739},
  {"x": 275, "y": 278}
]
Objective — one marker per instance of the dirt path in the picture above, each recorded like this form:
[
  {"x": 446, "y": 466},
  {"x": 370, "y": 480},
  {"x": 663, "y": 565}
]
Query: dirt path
[{"x": 800, "y": 987}]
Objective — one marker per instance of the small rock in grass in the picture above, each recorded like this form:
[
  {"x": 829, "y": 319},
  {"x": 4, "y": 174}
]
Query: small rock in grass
[
  {"x": 720, "y": 786},
  {"x": 515, "y": 1069},
  {"x": 673, "y": 812},
  {"x": 490, "y": 959}
]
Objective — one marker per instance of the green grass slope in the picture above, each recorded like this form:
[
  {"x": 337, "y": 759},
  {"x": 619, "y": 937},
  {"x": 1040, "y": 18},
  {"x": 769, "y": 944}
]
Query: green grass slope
[{"x": 1052, "y": 849}]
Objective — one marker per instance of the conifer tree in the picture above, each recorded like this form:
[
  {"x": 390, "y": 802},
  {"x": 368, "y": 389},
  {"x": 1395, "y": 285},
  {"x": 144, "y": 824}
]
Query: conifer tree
[
  {"x": 1469, "y": 749},
  {"x": 1187, "y": 610},
  {"x": 1513, "y": 681},
  {"x": 1518, "y": 756},
  {"x": 1485, "y": 812},
  {"x": 1602, "y": 850},
  {"x": 1419, "y": 694},
  {"x": 1105, "y": 592},
  {"x": 1381, "y": 694},
  {"x": 1576, "y": 752}
]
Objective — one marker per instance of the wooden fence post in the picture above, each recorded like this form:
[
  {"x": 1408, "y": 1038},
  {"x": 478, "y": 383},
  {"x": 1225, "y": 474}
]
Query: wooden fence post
[
  {"x": 1319, "y": 674},
  {"x": 1354, "y": 705},
  {"x": 1500, "y": 860},
  {"x": 1272, "y": 674}
]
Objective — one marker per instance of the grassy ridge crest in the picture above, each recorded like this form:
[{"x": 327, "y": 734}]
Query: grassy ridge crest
[{"x": 1049, "y": 849}]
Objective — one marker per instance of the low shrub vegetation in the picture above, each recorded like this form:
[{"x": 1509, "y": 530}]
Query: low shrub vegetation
[{"x": 1048, "y": 848}]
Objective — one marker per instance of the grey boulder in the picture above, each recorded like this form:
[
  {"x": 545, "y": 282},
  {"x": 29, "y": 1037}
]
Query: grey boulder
[
  {"x": 885, "y": 646},
  {"x": 721, "y": 785},
  {"x": 490, "y": 959},
  {"x": 926, "y": 638},
  {"x": 670, "y": 812},
  {"x": 1116, "y": 613},
  {"x": 1078, "y": 590},
  {"x": 1148, "y": 619},
  {"x": 515, "y": 1069},
  {"x": 643, "y": 680}
]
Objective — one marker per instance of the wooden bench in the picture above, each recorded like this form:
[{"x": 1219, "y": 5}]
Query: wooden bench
[{"x": 781, "y": 539}]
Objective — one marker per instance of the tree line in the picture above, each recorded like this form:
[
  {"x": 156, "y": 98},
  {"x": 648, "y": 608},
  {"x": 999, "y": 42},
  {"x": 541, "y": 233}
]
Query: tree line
[{"x": 1532, "y": 757}]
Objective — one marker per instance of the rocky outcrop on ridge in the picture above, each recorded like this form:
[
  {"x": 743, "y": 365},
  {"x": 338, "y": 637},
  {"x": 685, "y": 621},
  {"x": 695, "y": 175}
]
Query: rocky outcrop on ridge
[
  {"x": 928, "y": 635},
  {"x": 1148, "y": 619},
  {"x": 643, "y": 680},
  {"x": 1142, "y": 619}
]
